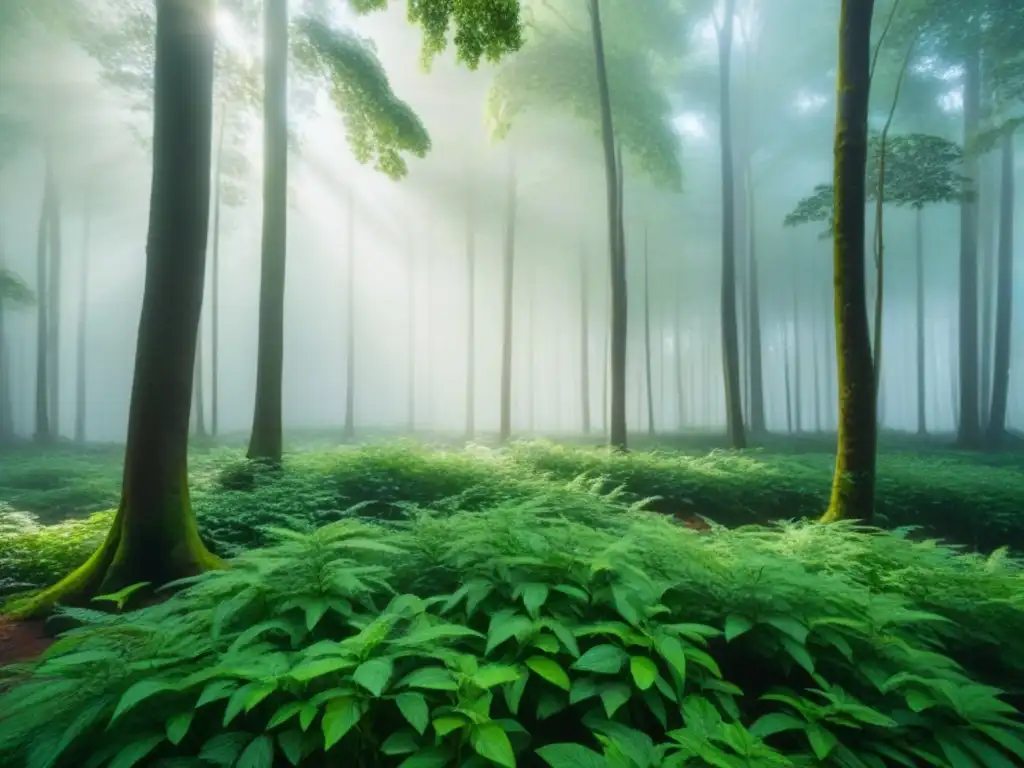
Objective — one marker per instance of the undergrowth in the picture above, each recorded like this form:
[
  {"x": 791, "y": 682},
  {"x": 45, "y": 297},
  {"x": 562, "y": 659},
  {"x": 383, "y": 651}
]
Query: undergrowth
[{"x": 517, "y": 635}]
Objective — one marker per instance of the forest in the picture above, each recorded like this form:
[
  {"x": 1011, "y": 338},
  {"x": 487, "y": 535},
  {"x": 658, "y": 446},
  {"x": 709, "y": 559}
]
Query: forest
[{"x": 556, "y": 383}]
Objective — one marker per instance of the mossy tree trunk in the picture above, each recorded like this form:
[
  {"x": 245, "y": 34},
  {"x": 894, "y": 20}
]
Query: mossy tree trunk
[
  {"x": 154, "y": 536},
  {"x": 266, "y": 440},
  {"x": 853, "y": 483},
  {"x": 996, "y": 429},
  {"x": 508, "y": 292}
]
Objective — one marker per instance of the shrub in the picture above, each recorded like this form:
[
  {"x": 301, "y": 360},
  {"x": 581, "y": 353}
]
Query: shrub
[{"x": 521, "y": 637}]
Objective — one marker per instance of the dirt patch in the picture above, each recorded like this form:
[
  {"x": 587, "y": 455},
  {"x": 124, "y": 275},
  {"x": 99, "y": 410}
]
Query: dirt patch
[{"x": 22, "y": 640}]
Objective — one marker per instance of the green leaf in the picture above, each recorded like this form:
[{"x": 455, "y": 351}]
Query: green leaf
[
  {"x": 414, "y": 709},
  {"x": 671, "y": 649},
  {"x": 571, "y": 756},
  {"x": 583, "y": 688},
  {"x": 178, "y": 725},
  {"x": 822, "y": 740},
  {"x": 644, "y": 671},
  {"x": 534, "y": 596},
  {"x": 613, "y": 696},
  {"x": 799, "y": 654},
  {"x": 430, "y": 678},
  {"x": 503, "y": 626},
  {"x": 290, "y": 743},
  {"x": 373, "y": 675},
  {"x": 339, "y": 718},
  {"x": 496, "y": 674},
  {"x": 790, "y": 627},
  {"x": 138, "y": 693},
  {"x": 491, "y": 742},
  {"x": 447, "y": 723},
  {"x": 429, "y": 635},
  {"x": 400, "y": 743},
  {"x": 259, "y": 753},
  {"x": 215, "y": 691},
  {"x": 122, "y": 595},
  {"x": 604, "y": 659},
  {"x": 514, "y": 692},
  {"x": 736, "y": 626},
  {"x": 550, "y": 670},
  {"x": 775, "y": 722},
  {"x": 434, "y": 757},
  {"x": 285, "y": 713},
  {"x": 135, "y": 751},
  {"x": 224, "y": 748},
  {"x": 311, "y": 670}
]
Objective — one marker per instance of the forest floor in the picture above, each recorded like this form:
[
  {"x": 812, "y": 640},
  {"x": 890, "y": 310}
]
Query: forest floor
[{"x": 55, "y": 508}]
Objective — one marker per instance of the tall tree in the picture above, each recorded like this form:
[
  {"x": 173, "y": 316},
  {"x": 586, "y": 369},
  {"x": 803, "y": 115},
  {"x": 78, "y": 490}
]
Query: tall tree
[
  {"x": 42, "y": 433},
  {"x": 349, "y": 429},
  {"x": 153, "y": 536},
  {"x": 470, "y": 316},
  {"x": 508, "y": 260},
  {"x": 83, "y": 315},
  {"x": 584, "y": 273},
  {"x": 648, "y": 374},
  {"x": 853, "y": 483}
]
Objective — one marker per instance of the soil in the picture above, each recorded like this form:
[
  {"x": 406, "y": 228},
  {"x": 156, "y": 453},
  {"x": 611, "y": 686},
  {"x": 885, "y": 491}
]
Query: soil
[{"x": 22, "y": 640}]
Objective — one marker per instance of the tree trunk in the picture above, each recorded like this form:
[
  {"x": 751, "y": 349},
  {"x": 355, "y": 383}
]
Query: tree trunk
[
  {"x": 755, "y": 351},
  {"x": 969, "y": 430},
  {"x": 617, "y": 439},
  {"x": 584, "y": 342},
  {"x": 531, "y": 353},
  {"x": 154, "y": 537},
  {"x": 410, "y": 334},
  {"x": 648, "y": 376},
  {"x": 853, "y": 483},
  {"x": 55, "y": 296},
  {"x": 816, "y": 369},
  {"x": 349, "y": 430},
  {"x": 470, "y": 319},
  {"x": 197, "y": 387},
  {"x": 730, "y": 331},
  {"x": 922, "y": 424},
  {"x": 266, "y": 440},
  {"x": 787, "y": 383},
  {"x": 215, "y": 278},
  {"x": 798, "y": 379},
  {"x": 41, "y": 432},
  {"x": 681, "y": 415},
  {"x": 1004, "y": 297},
  {"x": 989, "y": 221},
  {"x": 508, "y": 262},
  {"x": 6, "y": 394},
  {"x": 83, "y": 307}
]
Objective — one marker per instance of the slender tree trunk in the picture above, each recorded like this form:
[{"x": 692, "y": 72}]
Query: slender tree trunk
[
  {"x": 215, "y": 278},
  {"x": 798, "y": 369},
  {"x": 617, "y": 438},
  {"x": 470, "y": 320},
  {"x": 508, "y": 262},
  {"x": 42, "y": 408},
  {"x": 55, "y": 292},
  {"x": 922, "y": 425},
  {"x": 730, "y": 331},
  {"x": 83, "y": 306},
  {"x": 755, "y": 351},
  {"x": 788, "y": 359},
  {"x": 1004, "y": 297},
  {"x": 531, "y": 353},
  {"x": 153, "y": 536},
  {"x": 853, "y": 484},
  {"x": 816, "y": 372},
  {"x": 969, "y": 430},
  {"x": 6, "y": 393},
  {"x": 584, "y": 342},
  {"x": 349, "y": 430},
  {"x": 989, "y": 221},
  {"x": 681, "y": 415},
  {"x": 606, "y": 351},
  {"x": 197, "y": 388},
  {"x": 410, "y": 334},
  {"x": 266, "y": 440},
  {"x": 648, "y": 375}
]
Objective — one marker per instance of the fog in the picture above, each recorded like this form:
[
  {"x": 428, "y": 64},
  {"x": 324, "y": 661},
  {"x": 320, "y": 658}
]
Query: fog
[{"x": 413, "y": 232}]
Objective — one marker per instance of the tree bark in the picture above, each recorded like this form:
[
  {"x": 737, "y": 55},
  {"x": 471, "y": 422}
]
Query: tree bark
[
  {"x": 1004, "y": 295},
  {"x": 470, "y": 318},
  {"x": 853, "y": 484},
  {"x": 83, "y": 311},
  {"x": 41, "y": 432},
  {"x": 266, "y": 440},
  {"x": 755, "y": 351},
  {"x": 584, "y": 342},
  {"x": 798, "y": 379},
  {"x": 922, "y": 419},
  {"x": 198, "y": 396},
  {"x": 648, "y": 375},
  {"x": 215, "y": 286},
  {"x": 55, "y": 292},
  {"x": 969, "y": 430},
  {"x": 730, "y": 331},
  {"x": 349, "y": 429},
  {"x": 508, "y": 287},
  {"x": 617, "y": 439},
  {"x": 154, "y": 537},
  {"x": 410, "y": 333},
  {"x": 681, "y": 415},
  {"x": 989, "y": 222}
]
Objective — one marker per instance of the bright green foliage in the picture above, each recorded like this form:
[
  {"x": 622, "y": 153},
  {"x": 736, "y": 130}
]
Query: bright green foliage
[
  {"x": 556, "y": 71},
  {"x": 519, "y": 632},
  {"x": 484, "y": 29},
  {"x": 919, "y": 170},
  {"x": 379, "y": 125}
]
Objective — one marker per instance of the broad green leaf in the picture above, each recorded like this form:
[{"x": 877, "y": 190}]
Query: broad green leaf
[
  {"x": 224, "y": 748},
  {"x": 415, "y": 710},
  {"x": 790, "y": 627},
  {"x": 491, "y": 742},
  {"x": 571, "y": 756},
  {"x": 644, "y": 671},
  {"x": 259, "y": 753},
  {"x": 513, "y": 692},
  {"x": 311, "y": 670},
  {"x": 433, "y": 757},
  {"x": 373, "y": 675},
  {"x": 136, "y": 751},
  {"x": 534, "y": 596},
  {"x": 178, "y": 725},
  {"x": 736, "y": 626},
  {"x": 400, "y": 743},
  {"x": 290, "y": 742},
  {"x": 822, "y": 740},
  {"x": 285, "y": 713},
  {"x": 496, "y": 674},
  {"x": 505, "y": 625},
  {"x": 604, "y": 659},
  {"x": 776, "y": 722},
  {"x": 339, "y": 718},
  {"x": 613, "y": 696},
  {"x": 671, "y": 649},
  {"x": 138, "y": 693},
  {"x": 584, "y": 688},
  {"x": 447, "y": 723},
  {"x": 430, "y": 678},
  {"x": 435, "y": 633},
  {"x": 550, "y": 670}
]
